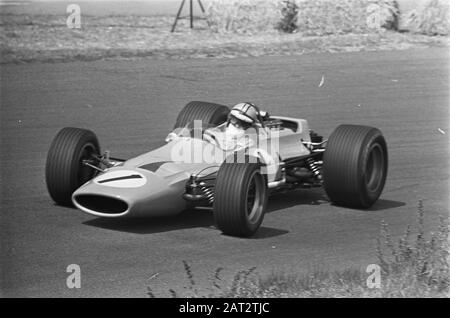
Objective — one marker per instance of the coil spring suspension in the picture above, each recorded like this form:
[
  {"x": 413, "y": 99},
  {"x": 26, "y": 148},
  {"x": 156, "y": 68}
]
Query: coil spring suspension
[
  {"x": 209, "y": 194},
  {"x": 313, "y": 166}
]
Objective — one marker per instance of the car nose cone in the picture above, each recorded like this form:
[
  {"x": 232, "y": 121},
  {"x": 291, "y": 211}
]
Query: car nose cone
[{"x": 130, "y": 192}]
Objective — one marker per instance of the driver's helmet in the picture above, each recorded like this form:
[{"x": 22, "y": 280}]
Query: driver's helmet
[{"x": 243, "y": 115}]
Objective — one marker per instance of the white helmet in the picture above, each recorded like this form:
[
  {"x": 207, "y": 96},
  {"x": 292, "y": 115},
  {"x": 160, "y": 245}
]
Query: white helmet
[{"x": 246, "y": 112}]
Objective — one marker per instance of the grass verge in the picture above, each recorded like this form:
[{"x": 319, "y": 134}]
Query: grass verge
[
  {"x": 47, "y": 39},
  {"x": 412, "y": 267},
  {"x": 431, "y": 17},
  {"x": 232, "y": 28}
]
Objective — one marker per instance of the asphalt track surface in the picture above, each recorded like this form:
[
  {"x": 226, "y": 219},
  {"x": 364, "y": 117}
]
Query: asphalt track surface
[{"x": 132, "y": 105}]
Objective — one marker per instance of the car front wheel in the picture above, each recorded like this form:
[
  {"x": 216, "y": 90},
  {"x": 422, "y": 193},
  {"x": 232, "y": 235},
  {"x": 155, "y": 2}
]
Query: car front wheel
[{"x": 240, "y": 198}]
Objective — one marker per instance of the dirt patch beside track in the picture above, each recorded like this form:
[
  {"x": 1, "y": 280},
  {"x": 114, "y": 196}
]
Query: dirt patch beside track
[{"x": 46, "y": 38}]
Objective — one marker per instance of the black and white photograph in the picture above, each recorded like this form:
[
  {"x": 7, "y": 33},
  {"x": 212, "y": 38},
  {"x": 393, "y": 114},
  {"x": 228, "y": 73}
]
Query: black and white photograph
[{"x": 225, "y": 154}]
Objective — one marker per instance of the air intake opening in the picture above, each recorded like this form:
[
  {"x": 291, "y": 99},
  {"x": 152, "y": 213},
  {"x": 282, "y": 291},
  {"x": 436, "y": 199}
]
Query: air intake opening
[{"x": 101, "y": 204}]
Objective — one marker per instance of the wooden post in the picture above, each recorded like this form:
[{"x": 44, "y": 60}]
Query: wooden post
[
  {"x": 191, "y": 13},
  {"x": 178, "y": 16},
  {"x": 201, "y": 6},
  {"x": 203, "y": 11}
]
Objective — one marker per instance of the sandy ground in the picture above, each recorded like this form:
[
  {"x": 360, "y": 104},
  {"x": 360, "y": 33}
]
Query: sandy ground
[
  {"x": 108, "y": 7},
  {"x": 96, "y": 8},
  {"x": 36, "y": 31}
]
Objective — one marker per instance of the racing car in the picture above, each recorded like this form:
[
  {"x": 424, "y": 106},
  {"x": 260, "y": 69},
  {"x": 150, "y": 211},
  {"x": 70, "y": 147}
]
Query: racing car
[{"x": 193, "y": 169}]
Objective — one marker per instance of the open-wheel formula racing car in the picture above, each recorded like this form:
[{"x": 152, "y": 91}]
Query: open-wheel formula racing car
[{"x": 193, "y": 169}]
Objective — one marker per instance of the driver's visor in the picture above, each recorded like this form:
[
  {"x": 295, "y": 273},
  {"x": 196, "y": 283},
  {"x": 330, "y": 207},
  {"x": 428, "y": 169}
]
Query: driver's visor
[{"x": 239, "y": 123}]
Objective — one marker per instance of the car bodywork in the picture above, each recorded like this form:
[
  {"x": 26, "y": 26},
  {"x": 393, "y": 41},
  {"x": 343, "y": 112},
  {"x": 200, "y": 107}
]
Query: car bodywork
[{"x": 154, "y": 184}]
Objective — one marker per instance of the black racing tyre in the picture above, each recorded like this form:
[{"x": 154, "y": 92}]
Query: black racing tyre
[
  {"x": 64, "y": 172},
  {"x": 210, "y": 114},
  {"x": 240, "y": 198},
  {"x": 355, "y": 165}
]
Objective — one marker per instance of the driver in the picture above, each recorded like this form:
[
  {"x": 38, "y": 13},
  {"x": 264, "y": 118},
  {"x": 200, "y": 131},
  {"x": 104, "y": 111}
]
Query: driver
[{"x": 241, "y": 118}]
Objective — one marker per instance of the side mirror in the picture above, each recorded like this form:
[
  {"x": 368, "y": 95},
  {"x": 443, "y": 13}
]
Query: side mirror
[
  {"x": 171, "y": 136},
  {"x": 264, "y": 115},
  {"x": 177, "y": 133}
]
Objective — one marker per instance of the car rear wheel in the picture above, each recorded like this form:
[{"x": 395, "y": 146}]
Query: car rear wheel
[
  {"x": 355, "y": 166},
  {"x": 240, "y": 198},
  {"x": 209, "y": 114},
  {"x": 64, "y": 170}
]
